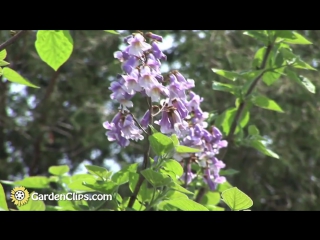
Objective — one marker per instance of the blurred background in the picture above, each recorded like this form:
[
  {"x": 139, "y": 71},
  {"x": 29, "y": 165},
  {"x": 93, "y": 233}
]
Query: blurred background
[{"x": 61, "y": 123}]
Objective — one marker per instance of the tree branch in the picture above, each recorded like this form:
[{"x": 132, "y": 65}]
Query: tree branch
[
  {"x": 12, "y": 39},
  {"x": 202, "y": 191}
]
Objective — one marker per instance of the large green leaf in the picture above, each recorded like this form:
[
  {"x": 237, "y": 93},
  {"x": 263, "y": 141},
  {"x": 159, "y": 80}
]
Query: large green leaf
[
  {"x": 262, "y": 148},
  {"x": 15, "y": 77},
  {"x": 160, "y": 143},
  {"x": 98, "y": 171},
  {"x": 301, "y": 80},
  {"x": 236, "y": 199},
  {"x": 34, "y": 182},
  {"x": 54, "y": 47},
  {"x": 295, "y": 38},
  {"x": 173, "y": 166},
  {"x": 266, "y": 103},
  {"x": 224, "y": 87},
  {"x": 59, "y": 170},
  {"x": 154, "y": 178}
]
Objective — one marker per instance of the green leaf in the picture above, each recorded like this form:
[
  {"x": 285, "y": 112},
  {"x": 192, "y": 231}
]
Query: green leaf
[
  {"x": 3, "y": 201},
  {"x": 258, "y": 58},
  {"x": 224, "y": 87},
  {"x": 145, "y": 193},
  {"x": 288, "y": 34},
  {"x": 236, "y": 199},
  {"x": 261, "y": 35},
  {"x": 266, "y": 103},
  {"x": 33, "y": 205},
  {"x": 228, "y": 117},
  {"x": 227, "y": 74},
  {"x": 173, "y": 166},
  {"x": 185, "y": 149},
  {"x": 176, "y": 186},
  {"x": 253, "y": 130},
  {"x": 172, "y": 194},
  {"x": 54, "y": 47},
  {"x": 301, "y": 80},
  {"x": 111, "y": 31},
  {"x": 228, "y": 172},
  {"x": 77, "y": 182},
  {"x": 186, "y": 204},
  {"x": 272, "y": 76},
  {"x": 34, "y": 182},
  {"x": 3, "y": 63},
  {"x": 59, "y": 170},
  {"x": 261, "y": 148},
  {"x": 250, "y": 76},
  {"x": 106, "y": 187},
  {"x": 175, "y": 140},
  {"x": 98, "y": 171},
  {"x": 3, "y": 54},
  {"x": 15, "y": 77},
  {"x": 211, "y": 198},
  {"x": 154, "y": 178},
  {"x": 224, "y": 186},
  {"x": 122, "y": 176},
  {"x": 296, "y": 38},
  {"x": 160, "y": 143},
  {"x": 303, "y": 65},
  {"x": 244, "y": 120}
]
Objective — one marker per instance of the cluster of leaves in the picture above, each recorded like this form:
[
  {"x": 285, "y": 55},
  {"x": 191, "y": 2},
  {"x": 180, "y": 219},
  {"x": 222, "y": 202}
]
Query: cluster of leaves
[
  {"x": 270, "y": 62},
  {"x": 162, "y": 189}
]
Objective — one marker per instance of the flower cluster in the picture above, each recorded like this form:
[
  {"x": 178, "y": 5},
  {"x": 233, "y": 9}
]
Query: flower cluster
[{"x": 172, "y": 97}]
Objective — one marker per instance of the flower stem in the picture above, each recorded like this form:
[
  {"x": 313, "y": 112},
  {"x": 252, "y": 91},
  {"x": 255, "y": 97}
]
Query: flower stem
[
  {"x": 145, "y": 159},
  {"x": 203, "y": 190}
]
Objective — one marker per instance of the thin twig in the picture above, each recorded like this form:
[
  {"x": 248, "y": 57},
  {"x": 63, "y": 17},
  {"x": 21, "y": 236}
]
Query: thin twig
[
  {"x": 12, "y": 39},
  {"x": 137, "y": 122}
]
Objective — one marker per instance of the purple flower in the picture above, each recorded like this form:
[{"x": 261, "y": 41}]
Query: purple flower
[
  {"x": 138, "y": 45},
  {"x": 129, "y": 130},
  {"x": 171, "y": 122},
  {"x": 157, "y": 52},
  {"x": 181, "y": 109},
  {"x": 114, "y": 133},
  {"x": 130, "y": 64},
  {"x": 147, "y": 79},
  {"x": 145, "y": 121},
  {"x": 131, "y": 84},
  {"x": 154, "y": 36},
  {"x": 155, "y": 92},
  {"x": 120, "y": 94}
]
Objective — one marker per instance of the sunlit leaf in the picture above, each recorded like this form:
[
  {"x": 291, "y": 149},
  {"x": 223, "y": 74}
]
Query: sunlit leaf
[
  {"x": 15, "y": 77},
  {"x": 54, "y": 47},
  {"x": 236, "y": 199}
]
